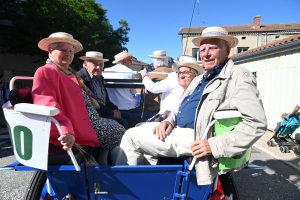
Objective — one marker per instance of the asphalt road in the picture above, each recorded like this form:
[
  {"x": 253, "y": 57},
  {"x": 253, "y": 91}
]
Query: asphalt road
[{"x": 276, "y": 181}]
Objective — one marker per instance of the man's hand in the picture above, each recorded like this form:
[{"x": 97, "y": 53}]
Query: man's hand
[
  {"x": 201, "y": 148},
  {"x": 117, "y": 113},
  {"x": 162, "y": 130},
  {"x": 66, "y": 141}
]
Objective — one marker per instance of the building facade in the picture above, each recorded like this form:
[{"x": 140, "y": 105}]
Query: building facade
[{"x": 250, "y": 36}]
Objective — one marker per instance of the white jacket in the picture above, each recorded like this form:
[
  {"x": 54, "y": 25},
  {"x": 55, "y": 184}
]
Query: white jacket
[
  {"x": 170, "y": 89},
  {"x": 124, "y": 98}
]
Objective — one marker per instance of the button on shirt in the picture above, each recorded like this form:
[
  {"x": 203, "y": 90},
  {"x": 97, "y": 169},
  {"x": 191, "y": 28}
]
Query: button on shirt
[{"x": 187, "y": 109}]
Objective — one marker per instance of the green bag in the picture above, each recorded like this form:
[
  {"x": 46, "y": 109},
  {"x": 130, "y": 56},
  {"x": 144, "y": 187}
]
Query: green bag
[{"x": 222, "y": 126}]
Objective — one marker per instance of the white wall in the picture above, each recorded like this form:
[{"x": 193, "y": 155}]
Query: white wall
[{"x": 278, "y": 82}]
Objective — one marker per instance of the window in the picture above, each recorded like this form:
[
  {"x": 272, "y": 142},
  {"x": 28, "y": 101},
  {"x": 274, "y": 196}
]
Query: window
[
  {"x": 254, "y": 73},
  {"x": 277, "y": 36},
  {"x": 243, "y": 38},
  {"x": 195, "y": 53},
  {"x": 242, "y": 49}
]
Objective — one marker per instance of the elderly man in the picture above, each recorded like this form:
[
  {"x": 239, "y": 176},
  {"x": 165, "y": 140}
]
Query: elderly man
[
  {"x": 153, "y": 99},
  {"x": 91, "y": 73},
  {"x": 224, "y": 86},
  {"x": 124, "y": 98}
]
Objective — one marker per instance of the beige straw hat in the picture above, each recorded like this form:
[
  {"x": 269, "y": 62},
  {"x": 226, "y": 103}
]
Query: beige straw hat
[
  {"x": 93, "y": 55},
  {"x": 159, "y": 54},
  {"x": 187, "y": 61},
  {"x": 121, "y": 56},
  {"x": 60, "y": 37},
  {"x": 216, "y": 32}
]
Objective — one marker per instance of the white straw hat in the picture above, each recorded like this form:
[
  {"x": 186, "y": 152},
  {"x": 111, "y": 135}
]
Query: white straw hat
[
  {"x": 216, "y": 32},
  {"x": 121, "y": 56},
  {"x": 187, "y": 61},
  {"x": 60, "y": 37},
  {"x": 159, "y": 54},
  {"x": 93, "y": 55}
]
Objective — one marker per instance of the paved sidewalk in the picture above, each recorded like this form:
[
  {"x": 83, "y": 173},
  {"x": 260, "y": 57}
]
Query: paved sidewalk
[{"x": 289, "y": 158}]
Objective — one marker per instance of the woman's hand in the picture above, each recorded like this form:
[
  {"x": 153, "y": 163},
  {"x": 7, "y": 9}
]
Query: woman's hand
[
  {"x": 162, "y": 130},
  {"x": 66, "y": 141},
  {"x": 201, "y": 148}
]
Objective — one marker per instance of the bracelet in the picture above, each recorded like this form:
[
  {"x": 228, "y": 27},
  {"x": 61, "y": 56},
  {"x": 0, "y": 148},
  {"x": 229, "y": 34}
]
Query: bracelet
[{"x": 144, "y": 76}]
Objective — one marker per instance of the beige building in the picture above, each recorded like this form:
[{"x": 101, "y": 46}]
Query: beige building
[{"x": 250, "y": 36}]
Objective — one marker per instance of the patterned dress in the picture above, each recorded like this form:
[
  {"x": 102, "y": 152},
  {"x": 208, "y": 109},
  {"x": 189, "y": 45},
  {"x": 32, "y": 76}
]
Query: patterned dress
[{"x": 109, "y": 132}]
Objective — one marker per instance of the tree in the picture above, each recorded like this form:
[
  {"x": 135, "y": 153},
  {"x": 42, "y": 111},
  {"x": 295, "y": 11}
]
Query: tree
[{"x": 33, "y": 20}]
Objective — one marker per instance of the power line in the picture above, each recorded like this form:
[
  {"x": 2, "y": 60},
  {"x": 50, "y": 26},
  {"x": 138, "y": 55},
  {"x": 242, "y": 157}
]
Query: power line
[{"x": 190, "y": 25}]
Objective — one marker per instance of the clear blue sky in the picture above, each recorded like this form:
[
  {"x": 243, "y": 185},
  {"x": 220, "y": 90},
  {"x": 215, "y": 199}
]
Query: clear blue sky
[{"x": 155, "y": 24}]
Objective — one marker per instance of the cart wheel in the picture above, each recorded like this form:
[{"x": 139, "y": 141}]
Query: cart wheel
[
  {"x": 36, "y": 186},
  {"x": 282, "y": 149},
  {"x": 270, "y": 143},
  {"x": 286, "y": 149}
]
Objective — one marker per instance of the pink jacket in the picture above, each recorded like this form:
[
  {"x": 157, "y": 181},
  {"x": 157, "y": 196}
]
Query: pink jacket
[{"x": 52, "y": 87}]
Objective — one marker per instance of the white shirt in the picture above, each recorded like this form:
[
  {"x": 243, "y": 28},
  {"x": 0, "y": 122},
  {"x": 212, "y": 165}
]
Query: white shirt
[
  {"x": 170, "y": 89},
  {"x": 124, "y": 98}
]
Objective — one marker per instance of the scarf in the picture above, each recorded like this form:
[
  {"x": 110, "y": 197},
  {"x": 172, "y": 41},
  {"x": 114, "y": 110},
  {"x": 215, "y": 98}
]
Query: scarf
[{"x": 80, "y": 81}]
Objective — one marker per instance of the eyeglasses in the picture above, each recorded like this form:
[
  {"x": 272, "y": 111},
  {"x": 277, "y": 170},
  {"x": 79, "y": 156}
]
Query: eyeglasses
[{"x": 185, "y": 73}]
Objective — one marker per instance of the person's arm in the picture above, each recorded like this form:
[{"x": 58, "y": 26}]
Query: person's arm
[
  {"x": 246, "y": 99},
  {"x": 160, "y": 86},
  {"x": 296, "y": 109},
  {"x": 44, "y": 93}
]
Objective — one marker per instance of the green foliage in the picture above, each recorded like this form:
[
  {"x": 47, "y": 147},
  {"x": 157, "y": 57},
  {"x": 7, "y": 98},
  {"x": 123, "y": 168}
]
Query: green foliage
[{"x": 33, "y": 20}]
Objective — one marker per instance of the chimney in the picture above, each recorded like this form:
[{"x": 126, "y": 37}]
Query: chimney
[{"x": 257, "y": 21}]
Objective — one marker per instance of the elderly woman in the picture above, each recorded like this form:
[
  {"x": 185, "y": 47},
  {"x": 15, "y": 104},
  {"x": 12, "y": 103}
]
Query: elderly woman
[
  {"x": 56, "y": 84},
  {"x": 184, "y": 71}
]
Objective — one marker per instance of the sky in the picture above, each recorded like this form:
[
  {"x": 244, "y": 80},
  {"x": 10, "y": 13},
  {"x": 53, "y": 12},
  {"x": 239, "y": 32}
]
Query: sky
[{"x": 155, "y": 24}]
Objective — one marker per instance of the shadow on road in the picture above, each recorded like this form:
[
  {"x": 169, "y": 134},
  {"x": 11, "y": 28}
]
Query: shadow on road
[{"x": 276, "y": 181}]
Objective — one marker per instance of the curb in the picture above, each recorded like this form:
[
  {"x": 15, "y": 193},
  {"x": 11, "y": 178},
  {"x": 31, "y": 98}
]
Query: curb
[{"x": 277, "y": 157}]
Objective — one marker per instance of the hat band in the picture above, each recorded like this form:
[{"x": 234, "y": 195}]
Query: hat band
[{"x": 213, "y": 33}]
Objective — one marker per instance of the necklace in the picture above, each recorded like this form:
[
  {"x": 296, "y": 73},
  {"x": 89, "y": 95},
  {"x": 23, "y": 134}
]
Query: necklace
[{"x": 80, "y": 81}]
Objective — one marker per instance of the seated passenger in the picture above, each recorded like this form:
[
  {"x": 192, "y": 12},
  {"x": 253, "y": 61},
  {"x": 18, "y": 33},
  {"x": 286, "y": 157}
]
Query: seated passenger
[
  {"x": 185, "y": 70},
  {"x": 278, "y": 126},
  {"x": 57, "y": 84},
  {"x": 91, "y": 73},
  {"x": 161, "y": 71},
  {"x": 224, "y": 86},
  {"x": 124, "y": 98}
]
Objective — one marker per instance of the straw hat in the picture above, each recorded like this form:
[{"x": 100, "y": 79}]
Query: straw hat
[
  {"x": 60, "y": 37},
  {"x": 121, "y": 56},
  {"x": 159, "y": 54},
  {"x": 93, "y": 55},
  {"x": 187, "y": 61},
  {"x": 216, "y": 32}
]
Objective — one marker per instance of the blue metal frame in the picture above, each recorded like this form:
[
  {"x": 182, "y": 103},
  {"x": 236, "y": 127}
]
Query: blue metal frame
[{"x": 123, "y": 182}]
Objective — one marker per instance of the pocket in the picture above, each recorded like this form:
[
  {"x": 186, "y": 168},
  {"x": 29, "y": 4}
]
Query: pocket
[{"x": 216, "y": 96}]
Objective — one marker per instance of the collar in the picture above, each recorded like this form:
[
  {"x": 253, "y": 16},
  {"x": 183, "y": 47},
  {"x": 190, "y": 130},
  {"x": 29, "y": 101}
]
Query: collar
[
  {"x": 91, "y": 75},
  {"x": 215, "y": 71}
]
